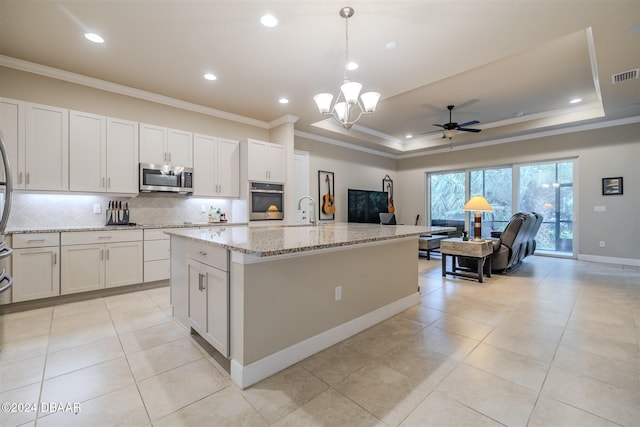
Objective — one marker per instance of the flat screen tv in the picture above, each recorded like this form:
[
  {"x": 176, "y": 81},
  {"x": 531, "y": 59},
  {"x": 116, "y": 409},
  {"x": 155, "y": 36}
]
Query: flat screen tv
[{"x": 365, "y": 205}]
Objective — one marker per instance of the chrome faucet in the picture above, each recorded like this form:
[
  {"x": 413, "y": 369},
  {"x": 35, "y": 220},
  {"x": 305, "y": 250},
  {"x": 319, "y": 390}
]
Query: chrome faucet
[{"x": 312, "y": 219}]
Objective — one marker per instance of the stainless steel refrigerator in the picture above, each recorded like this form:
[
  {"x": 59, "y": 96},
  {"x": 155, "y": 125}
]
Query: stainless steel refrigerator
[{"x": 6, "y": 187}]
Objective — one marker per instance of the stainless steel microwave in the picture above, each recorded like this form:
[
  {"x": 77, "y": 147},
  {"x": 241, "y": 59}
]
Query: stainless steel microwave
[{"x": 166, "y": 178}]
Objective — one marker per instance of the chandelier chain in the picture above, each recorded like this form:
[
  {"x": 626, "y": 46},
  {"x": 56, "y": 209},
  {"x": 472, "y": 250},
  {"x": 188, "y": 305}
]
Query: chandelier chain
[{"x": 346, "y": 48}]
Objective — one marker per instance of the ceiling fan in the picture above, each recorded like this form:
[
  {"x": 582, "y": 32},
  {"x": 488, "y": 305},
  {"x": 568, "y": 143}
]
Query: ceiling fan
[{"x": 451, "y": 128}]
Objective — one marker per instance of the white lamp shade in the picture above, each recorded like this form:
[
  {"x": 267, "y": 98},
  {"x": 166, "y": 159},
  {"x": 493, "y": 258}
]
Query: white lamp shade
[
  {"x": 351, "y": 91},
  {"x": 477, "y": 204},
  {"x": 342, "y": 111},
  {"x": 323, "y": 101},
  {"x": 370, "y": 101}
]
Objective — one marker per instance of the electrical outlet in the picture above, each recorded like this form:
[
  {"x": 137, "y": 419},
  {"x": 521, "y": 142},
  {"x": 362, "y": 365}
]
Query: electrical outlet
[
  {"x": 97, "y": 208},
  {"x": 338, "y": 292},
  {"x": 203, "y": 209},
  {"x": 602, "y": 243}
]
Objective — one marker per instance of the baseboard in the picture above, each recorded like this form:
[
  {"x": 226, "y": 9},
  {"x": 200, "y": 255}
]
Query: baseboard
[
  {"x": 244, "y": 376},
  {"x": 609, "y": 260}
]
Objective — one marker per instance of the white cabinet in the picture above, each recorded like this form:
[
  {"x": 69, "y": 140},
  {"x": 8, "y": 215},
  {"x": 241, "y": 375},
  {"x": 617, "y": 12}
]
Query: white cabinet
[
  {"x": 209, "y": 298},
  {"x": 100, "y": 259},
  {"x": 103, "y": 154},
  {"x": 46, "y": 158},
  {"x": 35, "y": 265},
  {"x": 265, "y": 161},
  {"x": 160, "y": 145},
  {"x": 87, "y": 152},
  {"x": 216, "y": 166},
  {"x": 12, "y": 127}
]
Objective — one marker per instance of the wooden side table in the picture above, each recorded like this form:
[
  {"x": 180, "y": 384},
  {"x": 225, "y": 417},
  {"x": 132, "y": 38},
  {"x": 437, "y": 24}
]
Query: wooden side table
[{"x": 480, "y": 250}]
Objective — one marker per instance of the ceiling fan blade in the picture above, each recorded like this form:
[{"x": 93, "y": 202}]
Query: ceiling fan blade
[
  {"x": 442, "y": 126},
  {"x": 472, "y": 122},
  {"x": 469, "y": 130}
]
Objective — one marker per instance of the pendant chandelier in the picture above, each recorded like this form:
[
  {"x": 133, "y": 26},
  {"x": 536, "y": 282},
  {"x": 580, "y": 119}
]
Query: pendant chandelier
[{"x": 349, "y": 104}]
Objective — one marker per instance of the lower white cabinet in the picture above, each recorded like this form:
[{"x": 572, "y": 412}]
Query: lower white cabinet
[
  {"x": 200, "y": 290},
  {"x": 209, "y": 304},
  {"x": 36, "y": 266},
  {"x": 100, "y": 259}
]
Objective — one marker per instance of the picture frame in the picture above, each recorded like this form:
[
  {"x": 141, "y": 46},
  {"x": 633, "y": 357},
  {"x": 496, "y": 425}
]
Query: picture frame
[
  {"x": 612, "y": 186},
  {"x": 326, "y": 196}
]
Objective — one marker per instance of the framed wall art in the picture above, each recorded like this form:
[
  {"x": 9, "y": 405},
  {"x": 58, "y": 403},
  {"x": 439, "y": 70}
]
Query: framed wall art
[
  {"x": 326, "y": 196},
  {"x": 612, "y": 186}
]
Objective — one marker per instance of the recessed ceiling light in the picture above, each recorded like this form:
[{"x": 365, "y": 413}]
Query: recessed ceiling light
[
  {"x": 519, "y": 114},
  {"x": 94, "y": 37},
  {"x": 575, "y": 100},
  {"x": 352, "y": 66},
  {"x": 408, "y": 136},
  {"x": 269, "y": 21},
  {"x": 391, "y": 45},
  {"x": 283, "y": 100},
  {"x": 210, "y": 76}
]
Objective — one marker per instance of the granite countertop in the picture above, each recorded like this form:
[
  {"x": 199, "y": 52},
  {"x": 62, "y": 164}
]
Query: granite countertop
[
  {"x": 277, "y": 240},
  {"x": 57, "y": 229}
]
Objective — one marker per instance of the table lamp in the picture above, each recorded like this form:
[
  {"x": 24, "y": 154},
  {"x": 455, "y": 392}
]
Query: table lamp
[{"x": 477, "y": 204}]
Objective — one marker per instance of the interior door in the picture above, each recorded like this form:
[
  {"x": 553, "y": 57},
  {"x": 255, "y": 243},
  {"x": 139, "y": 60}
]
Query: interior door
[{"x": 301, "y": 188}]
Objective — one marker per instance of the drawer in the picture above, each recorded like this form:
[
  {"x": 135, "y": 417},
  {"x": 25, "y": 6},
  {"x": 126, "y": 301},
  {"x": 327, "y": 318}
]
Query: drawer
[
  {"x": 157, "y": 249},
  {"x": 155, "y": 234},
  {"x": 157, "y": 270},
  {"x": 207, "y": 254},
  {"x": 35, "y": 240},
  {"x": 107, "y": 236}
]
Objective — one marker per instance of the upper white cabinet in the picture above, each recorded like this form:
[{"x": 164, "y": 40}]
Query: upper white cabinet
[
  {"x": 46, "y": 158},
  {"x": 12, "y": 127},
  {"x": 216, "y": 166},
  {"x": 160, "y": 145},
  {"x": 103, "y": 154},
  {"x": 122, "y": 156},
  {"x": 265, "y": 161}
]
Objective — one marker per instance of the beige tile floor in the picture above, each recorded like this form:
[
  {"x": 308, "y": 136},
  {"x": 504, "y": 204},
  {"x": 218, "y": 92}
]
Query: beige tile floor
[{"x": 553, "y": 344}]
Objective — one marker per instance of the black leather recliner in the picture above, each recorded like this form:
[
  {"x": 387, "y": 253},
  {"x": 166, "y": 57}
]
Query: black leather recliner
[{"x": 513, "y": 244}]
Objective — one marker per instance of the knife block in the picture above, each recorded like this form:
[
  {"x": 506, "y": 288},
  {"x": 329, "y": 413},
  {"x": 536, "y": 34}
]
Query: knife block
[{"x": 117, "y": 217}]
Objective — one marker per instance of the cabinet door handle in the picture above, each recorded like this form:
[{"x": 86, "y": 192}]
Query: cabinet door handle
[
  {"x": 102, "y": 185},
  {"x": 104, "y": 237},
  {"x": 169, "y": 156},
  {"x": 201, "y": 280},
  {"x": 27, "y": 178},
  {"x": 101, "y": 254},
  {"x": 107, "y": 254},
  {"x": 109, "y": 182},
  {"x": 202, "y": 253},
  {"x": 55, "y": 259},
  {"x": 35, "y": 240},
  {"x": 20, "y": 177}
]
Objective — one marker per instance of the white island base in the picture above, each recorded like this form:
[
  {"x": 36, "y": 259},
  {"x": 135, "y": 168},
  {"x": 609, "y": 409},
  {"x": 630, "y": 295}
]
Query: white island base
[{"x": 284, "y": 308}]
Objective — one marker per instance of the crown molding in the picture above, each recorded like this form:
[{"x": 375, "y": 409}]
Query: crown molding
[
  {"x": 55, "y": 73},
  {"x": 343, "y": 144}
]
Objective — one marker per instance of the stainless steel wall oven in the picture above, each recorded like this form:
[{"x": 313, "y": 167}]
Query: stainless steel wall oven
[{"x": 266, "y": 201}]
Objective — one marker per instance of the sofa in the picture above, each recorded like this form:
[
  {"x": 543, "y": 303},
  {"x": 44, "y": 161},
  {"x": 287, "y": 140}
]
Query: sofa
[{"x": 512, "y": 245}]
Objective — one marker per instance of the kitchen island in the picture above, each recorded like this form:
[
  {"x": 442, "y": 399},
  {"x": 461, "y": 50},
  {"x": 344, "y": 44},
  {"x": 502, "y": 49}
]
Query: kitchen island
[{"x": 267, "y": 297}]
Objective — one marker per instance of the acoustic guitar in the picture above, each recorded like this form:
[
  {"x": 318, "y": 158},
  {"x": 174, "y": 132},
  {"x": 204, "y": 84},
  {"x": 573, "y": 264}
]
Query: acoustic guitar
[
  {"x": 328, "y": 208},
  {"x": 390, "y": 207}
]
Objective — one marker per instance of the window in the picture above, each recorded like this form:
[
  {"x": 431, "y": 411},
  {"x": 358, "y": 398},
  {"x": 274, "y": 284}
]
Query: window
[
  {"x": 495, "y": 186},
  {"x": 447, "y": 197}
]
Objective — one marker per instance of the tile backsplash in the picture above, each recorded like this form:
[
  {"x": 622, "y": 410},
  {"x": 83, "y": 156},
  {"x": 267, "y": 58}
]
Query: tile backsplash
[{"x": 31, "y": 210}]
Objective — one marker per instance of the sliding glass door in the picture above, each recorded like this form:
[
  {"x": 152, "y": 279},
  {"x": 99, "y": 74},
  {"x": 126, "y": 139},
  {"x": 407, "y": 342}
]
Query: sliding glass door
[
  {"x": 545, "y": 188},
  {"x": 447, "y": 196}
]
